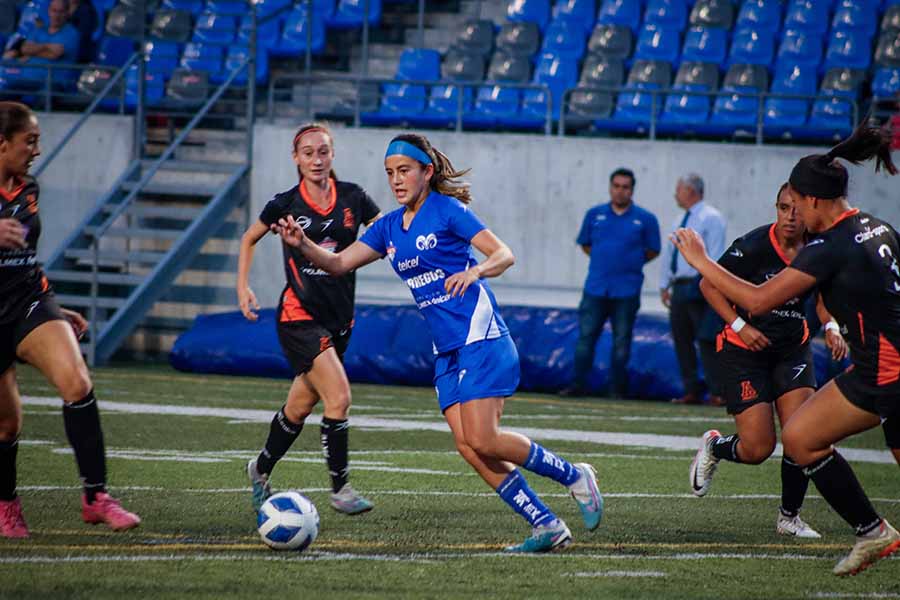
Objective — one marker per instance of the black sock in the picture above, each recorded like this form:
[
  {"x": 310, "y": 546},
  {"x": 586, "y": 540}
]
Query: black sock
[
  {"x": 282, "y": 433},
  {"x": 793, "y": 487},
  {"x": 8, "y": 451},
  {"x": 82, "y": 422},
  {"x": 725, "y": 447},
  {"x": 837, "y": 483},
  {"x": 335, "y": 435}
]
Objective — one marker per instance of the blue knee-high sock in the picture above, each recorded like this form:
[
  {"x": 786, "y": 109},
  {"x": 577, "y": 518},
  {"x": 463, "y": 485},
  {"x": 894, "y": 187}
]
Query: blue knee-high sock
[
  {"x": 545, "y": 463},
  {"x": 515, "y": 491}
]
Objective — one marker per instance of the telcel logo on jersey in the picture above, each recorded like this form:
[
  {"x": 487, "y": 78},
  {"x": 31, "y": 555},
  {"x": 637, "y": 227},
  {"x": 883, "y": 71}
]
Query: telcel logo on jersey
[
  {"x": 409, "y": 263},
  {"x": 426, "y": 242},
  {"x": 424, "y": 279}
]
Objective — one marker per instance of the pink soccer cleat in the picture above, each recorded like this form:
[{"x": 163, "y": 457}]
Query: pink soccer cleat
[
  {"x": 12, "y": 523},
  {"x": 106, "y": 509}
]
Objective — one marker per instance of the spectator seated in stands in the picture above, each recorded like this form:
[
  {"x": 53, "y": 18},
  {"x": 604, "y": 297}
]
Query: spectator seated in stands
[
  {"x": 83, "y": 17},
  {"x": 57, "y": 41}
]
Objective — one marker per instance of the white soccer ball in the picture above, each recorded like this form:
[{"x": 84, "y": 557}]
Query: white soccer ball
[{"x": 288, "y": 521}]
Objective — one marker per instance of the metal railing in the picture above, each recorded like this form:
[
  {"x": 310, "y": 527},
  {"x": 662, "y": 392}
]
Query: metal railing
[{"x": 53, "y": 85}]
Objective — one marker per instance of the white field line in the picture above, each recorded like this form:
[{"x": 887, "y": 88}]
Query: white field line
[
  {"x": 616, "y": 574},
  {"x": 853, "y": 595},
  {"x": 648, "y": 440}
]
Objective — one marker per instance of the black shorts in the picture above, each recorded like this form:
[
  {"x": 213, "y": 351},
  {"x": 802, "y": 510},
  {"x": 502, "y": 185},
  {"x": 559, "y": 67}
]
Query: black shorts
[
  {"x": 891, "y": 427},
  {"x": 303, "y": 341},
  {"x": 881, "y": 400},
  {"x": 39, "y": 309},
  {"x": 749, "y": 378}
]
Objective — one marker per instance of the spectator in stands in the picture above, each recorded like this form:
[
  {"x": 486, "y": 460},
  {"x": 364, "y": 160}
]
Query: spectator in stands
[
  {"x": 57, "y": 41},
  {"x": 619, "y": 237},
  {"x": 83, "y": 17},
  {"x": 690, "y": 317}
]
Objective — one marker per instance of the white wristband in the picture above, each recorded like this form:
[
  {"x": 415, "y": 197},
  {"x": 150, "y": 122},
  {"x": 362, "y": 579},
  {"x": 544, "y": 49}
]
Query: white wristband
[
  {"x": 738, "y": 324},
  {"x": 833, "y": 326}
]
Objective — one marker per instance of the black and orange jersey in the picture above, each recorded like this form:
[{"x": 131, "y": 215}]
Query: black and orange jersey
[
  {"x": 21, "y": 277},
  {"x": 756, "y": 257},
  {"x": 855, "y": 263},
  {"x": 311, "y": 294}
]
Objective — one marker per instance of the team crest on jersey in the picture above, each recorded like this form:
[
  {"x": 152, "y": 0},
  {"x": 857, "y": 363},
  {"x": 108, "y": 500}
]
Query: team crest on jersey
[
  {"x": 32, "y": 205},
  {"x": 329, "y": 244},
  {"x": 426, "y": 242},
  {"x": 391, "y": 251},
  {"x": 349, "y": 221}
]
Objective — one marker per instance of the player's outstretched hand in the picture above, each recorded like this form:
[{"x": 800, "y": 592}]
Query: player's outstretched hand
[
  {"x": 290, "y": 231},
  {"x": 834, "y": 341},
  {"x": 458, "y": 283},
  {"x": 754, "y": 338},
  {"x": 12, "y": 234},
  {"x": 79, "y": 324},
  {"x": 247, "y": 302},
  {"x": 690, "y": 244}
]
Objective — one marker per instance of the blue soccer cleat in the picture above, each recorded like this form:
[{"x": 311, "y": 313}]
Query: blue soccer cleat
[
  {"x": 545, "y": 538},
  {"x": 259, "y": 482},
  {"x": 587, "y": 494}
]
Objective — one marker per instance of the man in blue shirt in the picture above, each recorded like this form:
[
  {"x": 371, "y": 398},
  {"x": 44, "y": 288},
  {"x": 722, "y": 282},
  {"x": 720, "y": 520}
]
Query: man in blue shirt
[
  {"x": 619, "y": 237},
  {"x": 690, "y": 317},
  {"x": 56, "y": 42}
]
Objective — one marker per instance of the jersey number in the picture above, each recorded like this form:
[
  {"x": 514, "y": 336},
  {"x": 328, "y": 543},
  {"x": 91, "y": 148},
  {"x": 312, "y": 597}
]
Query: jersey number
[{"x": 885, "y": 252}]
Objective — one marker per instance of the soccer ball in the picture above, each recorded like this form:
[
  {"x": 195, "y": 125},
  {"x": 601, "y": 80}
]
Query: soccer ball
[{"x": 288, "y": 521}]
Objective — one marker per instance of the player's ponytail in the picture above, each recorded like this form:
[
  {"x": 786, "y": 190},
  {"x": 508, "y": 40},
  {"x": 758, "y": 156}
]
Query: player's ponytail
[
  {"x": 445, "y": 178},
  {"x": 14, "y": 117},
  {"x": 824, "y": 177},
  {"x": 307, "y": 128}
]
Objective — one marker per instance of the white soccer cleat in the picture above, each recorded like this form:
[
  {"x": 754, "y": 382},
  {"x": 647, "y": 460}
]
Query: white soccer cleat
[
  {"x": 795, "y": 526},
  {"x": 867, "y": 550},
  {"x": 704, "y": 465}
]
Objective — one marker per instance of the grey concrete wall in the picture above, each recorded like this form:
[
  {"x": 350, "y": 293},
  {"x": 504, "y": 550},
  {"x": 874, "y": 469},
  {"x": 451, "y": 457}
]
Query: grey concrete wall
[
  {"x": 82, "y": 173},
  {"x": 533, "y": 191}
]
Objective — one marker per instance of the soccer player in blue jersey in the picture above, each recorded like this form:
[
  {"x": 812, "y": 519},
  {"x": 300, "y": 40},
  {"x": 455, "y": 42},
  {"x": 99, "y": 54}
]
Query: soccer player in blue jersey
[{"x": 429, "y": 241}]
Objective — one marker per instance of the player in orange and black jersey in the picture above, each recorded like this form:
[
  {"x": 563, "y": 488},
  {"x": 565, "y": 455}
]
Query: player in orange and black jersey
[
  {"x": 765, "y": 362},
  {"x": 34, "y": 329},
  {"x": 315, "y": 312},
  {"x": 854, "y": 260}
]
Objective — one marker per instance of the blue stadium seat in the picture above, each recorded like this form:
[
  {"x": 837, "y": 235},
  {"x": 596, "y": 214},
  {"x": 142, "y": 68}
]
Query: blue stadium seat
[
  {"x": 265, "y": 8},
  {"x": 734, "y": 108},
  {"x": 684, "y": 110},
  {"x": 781, "y": 114},
  {"x": 669, "y": 14},
  {"x": 760, "y": 15},
  {"x": 579, "y": 12},
  {"x": 198, "y": 56},
  {"x": 195, "y": 7},
  {"x": 406, "y": 101},
  {"x": 808, "y": 15},
  {"x": 855, "y": 17},
  {"x": 636, "y": 105},
  {"x": 557, "y": 73},
  {"x": 267, "y": 33},
  {"x": 105, "y": 5},
  {"x": 705, "y": 45},
  {"x": 750, "y": 47},
  {"x": 443, "y": 104},
  {"x": 236, "y": 55},
  {"x": 834, "y": 116},
  {"x": 154, "y": 90},
  {"x": 621, "y": 12},
  {"x": 349, "y": 14},
  {"x": 215, "y": 29},
  {"x": 419, "y": 63},
  {"x": 31, "y": 13},
  {"x": 529, "y": 11},
  {"x": 566, "y": 39},
  {"x": 293, "y": 38},
  {"x": 848, "y": 49},
  {"x": 161, "y": 57},
  {"x": 227, "y": 8},
  {"x": 494, "y": 102},
  {"x": 657, "y": 43},
  {"x": 114, "y": 51},
  {"x": 886, "y": 83},
  {"x": 800, "y": 48}
]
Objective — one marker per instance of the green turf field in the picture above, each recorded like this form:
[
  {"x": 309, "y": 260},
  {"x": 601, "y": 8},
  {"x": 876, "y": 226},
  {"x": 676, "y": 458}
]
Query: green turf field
[{"x": 178, "y": 445}]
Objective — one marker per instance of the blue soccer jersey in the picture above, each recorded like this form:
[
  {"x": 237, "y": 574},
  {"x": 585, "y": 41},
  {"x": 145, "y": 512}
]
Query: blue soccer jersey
[{"x": 436, "y": 246}]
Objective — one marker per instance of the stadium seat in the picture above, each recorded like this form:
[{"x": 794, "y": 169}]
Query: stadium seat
[
  {"x": 215, "y": 29},
  {"x": 405, "y": 101},
  {"x": 557, "y": 73},
  {"x": 636, "y": 104},
  {"x": 161, "y": 57},
  {"x": 578, "y": 12},
  {"x": 519, "y": 39},
  {"x": 227, "y": 8},
  {"x": 495, "y": 102},
  {"x": 293, "y": 38},
  {"x": 171, "y": 25},
  {"x": 585, "y": 105},
  {"x": 668, "y": 14},
  {"x": 733, "y": 107},
  {"x": 891, "y": 19},
  {"x": 887, "y": 52},
  {"x": 349, "y": 14},
  {"x": 848, "y": 49},
  {"x": 705, "y": 45},
  {"x": 476, "y": 35},
  {"x": 751, "y": 47},
  {"x": 194, "y": 7},
  {"x": 198, "y": 56},
  {"x": 154, "y": 89},
  {"x": 187, "y": 89},
  {"x": 712, "y": 13},
  {"x": 886, "y": 83},
  {"x": 614, "y": 41},
  {"x": 462, "y": 66},
  {"x": 236, "y": 55},
  {"x": 760, "y": 15},
  {"x": 32, "y": 13},
  {"x": 602, "y": 71},
  {"x": 565, "y": 39},
  {"x": 686, "y": 109},
  {"x": 800, "y": 48},
  {"x": 808, "y": 15},
  {"x": 781, "y": 114},
  {"x": 265, "y": 8},
  {"x": 114, "y": 51},
  {"x": 125, "y": 21},
  {"x": 419, "y": 63},
  {"x": 529, "y": 11},
  {"x": 621, "y": 12},
  {"x": 443, "y": 101},
  {"x": 835, "y": 115},
  {"x": 267, "y": 33},
  {"x": 656, "y": 43},
  {"x": 855, "y": 17}
]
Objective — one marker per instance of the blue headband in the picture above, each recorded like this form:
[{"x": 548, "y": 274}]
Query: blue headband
[{"x": 407, "y": 149}]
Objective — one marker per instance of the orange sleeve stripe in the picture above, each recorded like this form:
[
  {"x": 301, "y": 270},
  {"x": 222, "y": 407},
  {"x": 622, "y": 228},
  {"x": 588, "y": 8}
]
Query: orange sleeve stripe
[{"x": 291, "y": 309}]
